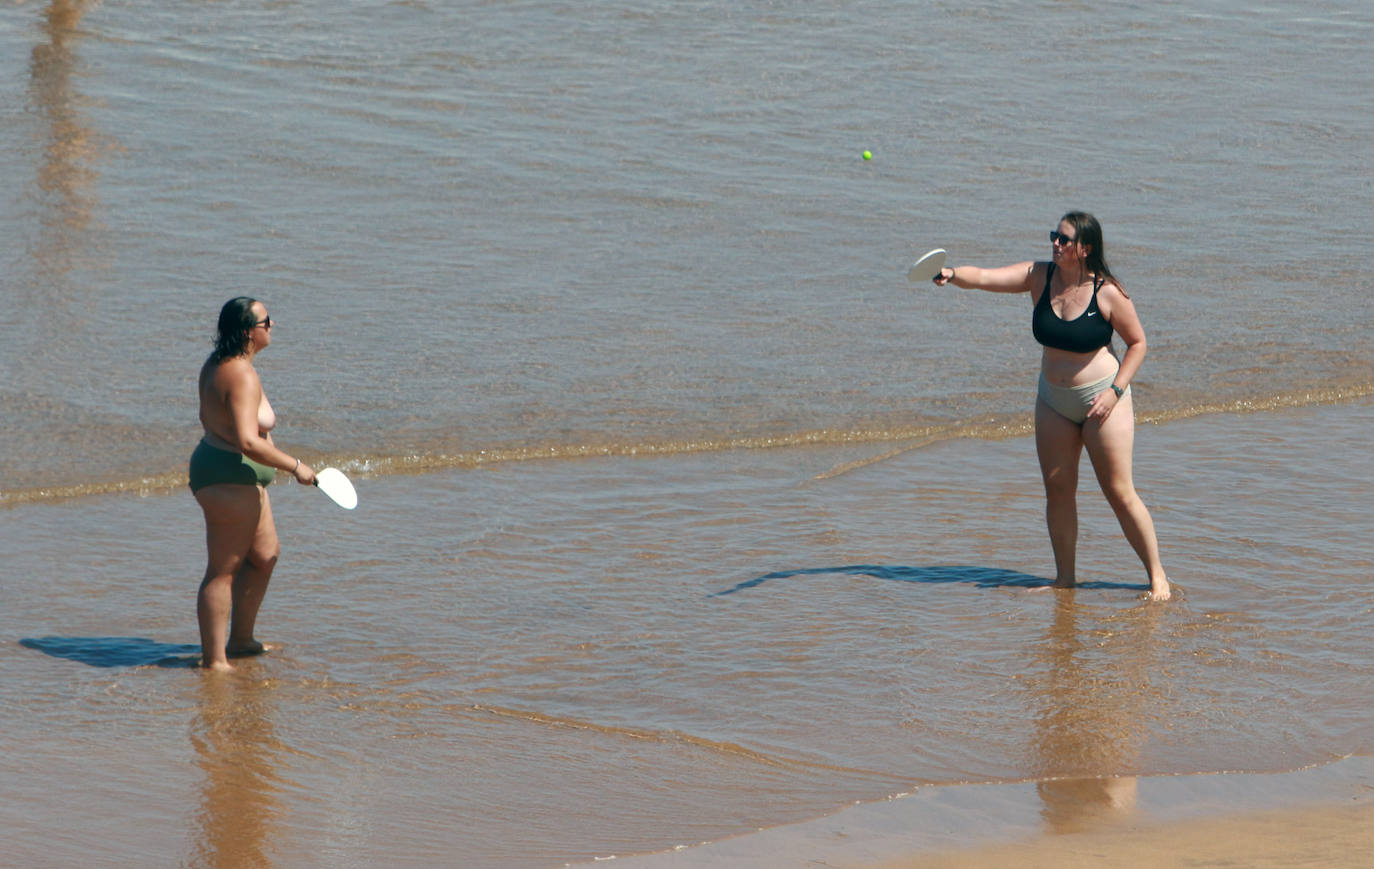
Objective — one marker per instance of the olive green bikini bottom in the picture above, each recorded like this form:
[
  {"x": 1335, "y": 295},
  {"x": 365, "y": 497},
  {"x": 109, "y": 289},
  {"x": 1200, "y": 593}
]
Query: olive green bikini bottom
[{"x": 211, "y": 465}]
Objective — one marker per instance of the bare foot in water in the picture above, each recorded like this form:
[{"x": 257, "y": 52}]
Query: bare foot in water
[
  {"x": 1159, "y": 591},
  {"x": 248, "y": 649},
  {"x": 1057, "y": 585},
  {"x": 217, "y": 667}
]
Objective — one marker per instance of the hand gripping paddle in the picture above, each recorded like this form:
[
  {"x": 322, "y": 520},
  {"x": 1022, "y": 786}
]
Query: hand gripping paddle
[
  {"x": 333, "y": 483},
  {"x": 927, "y": 267}
]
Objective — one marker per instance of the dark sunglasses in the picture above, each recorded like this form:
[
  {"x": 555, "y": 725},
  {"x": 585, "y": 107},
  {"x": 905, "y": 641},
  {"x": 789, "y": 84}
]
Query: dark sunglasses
[
  {"x": 1057, "y": 237},
  {"x": 265, "y": 322}
]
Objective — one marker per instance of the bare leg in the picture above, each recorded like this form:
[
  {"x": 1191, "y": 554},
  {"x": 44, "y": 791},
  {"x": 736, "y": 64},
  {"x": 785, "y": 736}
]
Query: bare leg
[
  {"x": 250, "y": 583},
  {"x": 232, "y": 514},
  {"x": 1059, "y": 444},
  {"x": 1110, "y": 446}
]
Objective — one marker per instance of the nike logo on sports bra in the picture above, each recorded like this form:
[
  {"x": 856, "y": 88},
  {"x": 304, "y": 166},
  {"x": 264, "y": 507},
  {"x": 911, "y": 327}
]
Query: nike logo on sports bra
[{"x": 1080, "y": 335}]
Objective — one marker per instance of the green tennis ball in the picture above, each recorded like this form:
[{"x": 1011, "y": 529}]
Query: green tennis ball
[{"x": 868, "y": 155}]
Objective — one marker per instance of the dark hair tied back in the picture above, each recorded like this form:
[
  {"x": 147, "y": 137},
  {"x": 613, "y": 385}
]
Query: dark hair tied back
[{"x": 236, "y": 320}]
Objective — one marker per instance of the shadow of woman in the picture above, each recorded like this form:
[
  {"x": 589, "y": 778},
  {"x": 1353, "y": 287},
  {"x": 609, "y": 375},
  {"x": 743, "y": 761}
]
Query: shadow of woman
[
  {"x": 978, "y": 576},
  {"x": 1097, "y": 706},
  {"x": 236, "y": 749},
  {"x": 116, "y": 651}
]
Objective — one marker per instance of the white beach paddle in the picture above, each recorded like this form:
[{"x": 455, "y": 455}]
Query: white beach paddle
[
  {"x": 927, "y": 266},
  {"x": 333, "y": 483}
]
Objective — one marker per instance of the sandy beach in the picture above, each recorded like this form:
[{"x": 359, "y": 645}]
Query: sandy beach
[
  {"x": 1329, "y": 836},
  {"x": 1315, "y": 817}
]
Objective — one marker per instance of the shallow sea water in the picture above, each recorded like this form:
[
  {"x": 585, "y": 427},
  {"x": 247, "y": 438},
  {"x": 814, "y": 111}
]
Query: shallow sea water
[
  {"x": 610, "y": 656},
  {"x": 682, "y": 513}
]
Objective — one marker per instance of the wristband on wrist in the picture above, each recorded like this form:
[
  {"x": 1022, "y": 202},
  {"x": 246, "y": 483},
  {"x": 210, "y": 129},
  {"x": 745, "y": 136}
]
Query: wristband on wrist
[
  {"x": 298, "y": 466},
  {"x": 1118, "y": 390}
]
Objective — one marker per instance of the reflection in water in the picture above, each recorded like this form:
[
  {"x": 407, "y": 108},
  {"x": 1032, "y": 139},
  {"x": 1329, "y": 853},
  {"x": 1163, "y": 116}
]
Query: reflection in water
[
  {"x": 236, "y": 749},
  {"x": 66, "y": 174},
  {"x": 1097, "y": 705}
]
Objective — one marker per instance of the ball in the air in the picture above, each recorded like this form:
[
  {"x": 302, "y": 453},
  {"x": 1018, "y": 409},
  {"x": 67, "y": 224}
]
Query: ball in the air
[{"x": 868, "y": 155}]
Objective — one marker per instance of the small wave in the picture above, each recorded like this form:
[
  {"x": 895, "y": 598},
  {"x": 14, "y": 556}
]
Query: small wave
[
  {"x": 905, "y": 437},
  {"x": 380, "y": 465},
  {"x": 1262, "y": 404},
  {"x": 159, "y": 484}
]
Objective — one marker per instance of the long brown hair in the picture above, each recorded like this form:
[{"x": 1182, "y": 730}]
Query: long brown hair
[{"x": 1089, "y": 232}]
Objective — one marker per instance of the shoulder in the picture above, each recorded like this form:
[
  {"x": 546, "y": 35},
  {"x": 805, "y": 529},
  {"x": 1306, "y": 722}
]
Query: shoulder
[
  {"x": 1113, "y": 302},
  {"x": 1112, "y": 293},
  {"x": 235, "y": 373}
]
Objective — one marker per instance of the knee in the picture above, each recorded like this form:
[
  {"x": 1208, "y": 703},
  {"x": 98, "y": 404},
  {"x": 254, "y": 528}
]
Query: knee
[
  {"x": 222, "y": 570},
  {"x": 1058, "y": 488},
  {"x": 1122, "y": 499},
  {"x": 265, "y": 559}
]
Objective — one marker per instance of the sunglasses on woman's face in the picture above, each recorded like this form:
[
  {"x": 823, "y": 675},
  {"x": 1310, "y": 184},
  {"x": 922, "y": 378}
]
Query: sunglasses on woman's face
[
  {"x": 1057, "y": 237},
  {"x": 265, "y": 322}
]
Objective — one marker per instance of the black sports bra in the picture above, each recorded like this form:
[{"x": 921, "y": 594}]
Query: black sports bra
[{"x": 1084, "y": 334}]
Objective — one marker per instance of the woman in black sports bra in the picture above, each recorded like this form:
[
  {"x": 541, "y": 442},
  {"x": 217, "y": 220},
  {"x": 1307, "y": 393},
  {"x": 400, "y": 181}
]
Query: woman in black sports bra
[{"x": 1084, "y": 397}]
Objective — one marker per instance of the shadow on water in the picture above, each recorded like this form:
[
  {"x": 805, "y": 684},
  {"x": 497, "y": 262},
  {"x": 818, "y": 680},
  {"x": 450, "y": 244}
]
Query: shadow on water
[
  {"x": 981, "y": 577},
  {"x": 116, "y": 651}
]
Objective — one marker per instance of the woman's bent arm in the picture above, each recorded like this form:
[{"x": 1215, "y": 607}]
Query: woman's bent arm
[{"x": 1120, "y": 311}]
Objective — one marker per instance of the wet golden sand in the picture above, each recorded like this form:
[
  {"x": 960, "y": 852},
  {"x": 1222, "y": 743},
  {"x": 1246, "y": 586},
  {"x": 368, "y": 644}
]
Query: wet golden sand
[
  {"x": 1327, "y": 836},
  {"x": 1322, "y": 816}
]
